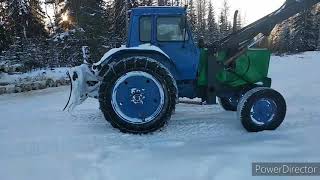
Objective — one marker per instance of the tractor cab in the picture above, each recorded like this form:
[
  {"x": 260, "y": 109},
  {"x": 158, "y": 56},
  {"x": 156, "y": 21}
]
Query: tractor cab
[{"x": 166, "y": 28}]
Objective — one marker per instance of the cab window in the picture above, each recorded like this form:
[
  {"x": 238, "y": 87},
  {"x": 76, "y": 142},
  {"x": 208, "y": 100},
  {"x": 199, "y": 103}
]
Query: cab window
[
  {"x": 171, "y": 29},
  {"x": 145, "y": 28}
]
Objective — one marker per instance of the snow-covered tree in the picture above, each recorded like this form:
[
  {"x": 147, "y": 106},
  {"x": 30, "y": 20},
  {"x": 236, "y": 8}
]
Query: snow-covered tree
[
  {"x": 224, "y": 23},
  {"x": 163, "y": 2},
  {"x": 304, "y": 32},
  {"x": 5, "y": 37},
  {"x": 119, "y": 20},
  {"x": 192, "y": 17},
  {"x": 146, "y": 3},
  {"x": 24, "y": 18},
  {"x": 212, "y": 26},
  {"x": 201, "y": 16}
]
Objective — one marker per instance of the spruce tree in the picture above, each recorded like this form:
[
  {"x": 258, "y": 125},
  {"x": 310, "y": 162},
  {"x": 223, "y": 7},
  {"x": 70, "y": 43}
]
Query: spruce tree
[
  {"x": 163, "y": 2},
  {"x": 5, "y": 36},
  {"x": 201, "y": 14},
  {"x": 24, "y": 18},
  {"x": 119, "y": 20},
  {"x": 212, "y": 27},
  {"x": 304, "y": 32},
  {"x": 192, "y": 17},
  {"x": 224, "y": 24}
]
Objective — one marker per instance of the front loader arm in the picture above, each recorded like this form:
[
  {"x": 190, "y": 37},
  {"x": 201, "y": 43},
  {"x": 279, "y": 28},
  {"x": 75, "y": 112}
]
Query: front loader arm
[{"x": 242, "y": 38}]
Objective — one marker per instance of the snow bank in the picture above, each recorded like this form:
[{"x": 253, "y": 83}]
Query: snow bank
[
  {"x": 35, "y": 75},
  {"x": 36, "y": 79}
]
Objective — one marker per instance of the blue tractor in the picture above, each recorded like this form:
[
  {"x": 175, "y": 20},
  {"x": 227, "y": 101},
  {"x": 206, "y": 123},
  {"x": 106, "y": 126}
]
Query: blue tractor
[{"x": 139, "y": 84}]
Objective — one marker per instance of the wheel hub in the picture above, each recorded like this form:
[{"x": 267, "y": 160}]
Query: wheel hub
[
  {"x": 137, "y": 97},
  {"x": 263, "y": 111}
]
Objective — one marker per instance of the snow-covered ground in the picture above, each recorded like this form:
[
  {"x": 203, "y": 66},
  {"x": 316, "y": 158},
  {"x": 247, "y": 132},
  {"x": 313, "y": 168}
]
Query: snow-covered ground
[
  {"x": 35, "y": 75},
  {"x": 38, "y": 141}
]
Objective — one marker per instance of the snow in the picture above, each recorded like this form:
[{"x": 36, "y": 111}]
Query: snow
[
  {"x": 54, "y": 74},
  {"x": 146, "y": 46},
  {"x": 39, "y": 141}
]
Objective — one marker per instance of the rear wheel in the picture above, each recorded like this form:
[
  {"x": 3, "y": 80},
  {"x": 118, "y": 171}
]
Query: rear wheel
[
  {"x": 261, "y": 109},
  {"x": 138, "y": 95}
]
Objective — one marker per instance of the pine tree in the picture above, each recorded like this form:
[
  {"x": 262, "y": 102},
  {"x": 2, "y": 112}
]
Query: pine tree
[
  {"x": 177, "y": 3},
  {"x": 317, "y": 24},
  {"x": 24, "y": 18},
  {"x": 201, "y": 14},
  {"x": 224, "y": 23},
  {"x": 163, "y": 2},
  {"x": 120, "y": 21},
  {"x": 135, "y": 3},
  {"x": 67, "y": 14},
  {"x": 146, "y": 3},
  {"x": 284, "y": 39},
  {"x": 82, "y": 21},
  {"x": 212, "y": 27},
  {"x": 304, "y": 32},
  {"x": 5, "y": 37},
  {"x": 192, "y": 17}
]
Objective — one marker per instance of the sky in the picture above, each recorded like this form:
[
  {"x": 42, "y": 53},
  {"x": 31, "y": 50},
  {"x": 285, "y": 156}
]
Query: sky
[{"x": 251, "y": 9}]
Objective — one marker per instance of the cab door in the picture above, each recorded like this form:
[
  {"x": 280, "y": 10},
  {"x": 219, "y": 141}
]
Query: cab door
[{"x": 173, "y": 36}]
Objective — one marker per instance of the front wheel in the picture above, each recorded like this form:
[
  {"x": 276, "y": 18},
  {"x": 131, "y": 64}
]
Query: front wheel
[
  {"x": 138, "y": 95},
  {"x": 261, "y": 109}
]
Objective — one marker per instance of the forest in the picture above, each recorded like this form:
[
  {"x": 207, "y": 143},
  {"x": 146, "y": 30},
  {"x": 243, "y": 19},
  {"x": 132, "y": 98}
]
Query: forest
[{"x": 52, "y": 33}]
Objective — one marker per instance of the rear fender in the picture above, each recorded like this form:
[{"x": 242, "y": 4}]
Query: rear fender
[
  {"x": 86, "y": 79},
  {"x": 119, "y": 55}
]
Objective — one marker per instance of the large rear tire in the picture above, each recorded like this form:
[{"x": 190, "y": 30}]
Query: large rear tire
[
  {"x": 138, "y": 95},
  {"x": 261, "y": 109}
]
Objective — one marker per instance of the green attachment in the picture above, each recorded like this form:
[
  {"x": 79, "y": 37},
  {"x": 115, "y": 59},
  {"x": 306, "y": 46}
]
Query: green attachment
[{"x": 250, "y": 68}]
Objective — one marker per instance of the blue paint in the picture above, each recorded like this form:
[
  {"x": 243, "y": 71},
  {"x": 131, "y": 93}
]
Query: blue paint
[
  {"x": 263, "y": 111},
  {"x": 183, "y": 58},
  {"x": 185, "y": 55},
  {"x": 138, "y": 97}
]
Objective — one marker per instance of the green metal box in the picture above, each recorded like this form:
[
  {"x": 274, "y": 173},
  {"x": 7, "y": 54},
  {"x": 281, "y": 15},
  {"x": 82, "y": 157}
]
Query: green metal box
[{"x": 251, "y": 67}]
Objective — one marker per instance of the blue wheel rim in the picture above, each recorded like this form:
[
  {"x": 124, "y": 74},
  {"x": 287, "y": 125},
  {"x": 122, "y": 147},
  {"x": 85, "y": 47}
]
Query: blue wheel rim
[
  {"x": 263, "y": 111},
  {"x": 137, "y": 97}
]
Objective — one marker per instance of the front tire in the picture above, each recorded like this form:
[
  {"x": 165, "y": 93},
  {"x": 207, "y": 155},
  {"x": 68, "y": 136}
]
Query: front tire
[
  {"x": 261, "y": 109},
  {"x": 137, "y": 95}
]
